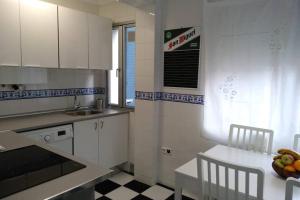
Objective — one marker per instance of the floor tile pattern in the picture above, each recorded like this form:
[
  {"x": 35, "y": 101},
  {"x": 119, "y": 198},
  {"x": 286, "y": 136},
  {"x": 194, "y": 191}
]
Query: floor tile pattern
[{"x": 123, "y": 187}]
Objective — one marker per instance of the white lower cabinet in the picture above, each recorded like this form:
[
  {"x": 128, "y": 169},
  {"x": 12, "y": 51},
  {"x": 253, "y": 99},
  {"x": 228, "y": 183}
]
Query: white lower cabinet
[
  {"x": 113, "y": 140},
  {"x": 102, "y": 141},
  {"x": 86, "y": 140}
]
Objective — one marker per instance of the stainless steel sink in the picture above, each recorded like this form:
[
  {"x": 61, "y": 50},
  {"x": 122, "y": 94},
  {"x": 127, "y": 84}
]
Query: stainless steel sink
[
  {"x": 83, "y": 112},
  {"x": 2, "y": 149}
]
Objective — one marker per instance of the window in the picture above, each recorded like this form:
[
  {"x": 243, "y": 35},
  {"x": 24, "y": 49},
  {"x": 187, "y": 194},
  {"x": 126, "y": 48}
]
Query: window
[
  {"x": 113, "y": 74},
  {"x": 122, "y": 76},
  {"x": 130, "y": 66}
]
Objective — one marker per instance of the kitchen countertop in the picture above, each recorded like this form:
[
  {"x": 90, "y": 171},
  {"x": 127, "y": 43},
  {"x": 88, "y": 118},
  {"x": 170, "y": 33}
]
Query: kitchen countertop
[
  {"x": 86, "y": 177},
  {"x": 29, "y": 122}
]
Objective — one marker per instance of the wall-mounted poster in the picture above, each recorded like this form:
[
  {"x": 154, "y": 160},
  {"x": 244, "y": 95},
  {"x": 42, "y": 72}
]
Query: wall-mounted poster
[{"x": 181, "y": 57}]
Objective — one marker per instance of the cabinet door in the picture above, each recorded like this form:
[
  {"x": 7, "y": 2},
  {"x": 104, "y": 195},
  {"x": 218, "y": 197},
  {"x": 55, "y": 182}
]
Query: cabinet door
[
  {"x": 39, "y": 33},
  {"x": 100, "y": 42},
  {"x": 86, "y": 137},
  {"x": 113, "y": 140},
  {"x": 73, "y": 38},
  {"x": 10, "y": 51}
]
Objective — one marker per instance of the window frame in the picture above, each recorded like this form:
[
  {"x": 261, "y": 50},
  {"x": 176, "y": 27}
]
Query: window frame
[
  {"x": 121, "y": 71},
  {"x": 124, "y": 63}
]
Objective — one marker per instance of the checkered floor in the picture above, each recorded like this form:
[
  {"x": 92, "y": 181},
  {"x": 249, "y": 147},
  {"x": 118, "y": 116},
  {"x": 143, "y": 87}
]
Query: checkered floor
[{"x": 123, "y": 187}]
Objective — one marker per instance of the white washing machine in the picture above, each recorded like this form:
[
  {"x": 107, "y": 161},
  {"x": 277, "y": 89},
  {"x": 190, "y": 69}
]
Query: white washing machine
[{"x": 59, "y": 137}]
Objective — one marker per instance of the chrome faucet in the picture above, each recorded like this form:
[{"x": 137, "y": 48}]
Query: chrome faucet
[{"x": 76, "y": 105}]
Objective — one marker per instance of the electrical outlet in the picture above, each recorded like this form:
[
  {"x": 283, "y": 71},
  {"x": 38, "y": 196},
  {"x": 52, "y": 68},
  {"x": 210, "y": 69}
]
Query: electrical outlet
[{"x": 167, "y": 151}]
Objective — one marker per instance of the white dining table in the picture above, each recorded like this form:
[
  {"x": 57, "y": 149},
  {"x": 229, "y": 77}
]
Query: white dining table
[{"x": 274, "y": 186}]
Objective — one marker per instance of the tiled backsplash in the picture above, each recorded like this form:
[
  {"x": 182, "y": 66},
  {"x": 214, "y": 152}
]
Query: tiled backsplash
[
  {"x": 173, "y": 97},
  {"x": 57, "y": 93},
  {"x": 47, "y": 93}
]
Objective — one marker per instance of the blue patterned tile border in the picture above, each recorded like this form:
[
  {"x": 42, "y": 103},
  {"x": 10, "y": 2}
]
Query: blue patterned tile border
[
  {"x": 173, "y": 97},
  {"x": 46, "y": 93},
  {"x": 157, "y": 96},
  {"x": 183, "y": 98},
  {"x": 149, "y": 96}
]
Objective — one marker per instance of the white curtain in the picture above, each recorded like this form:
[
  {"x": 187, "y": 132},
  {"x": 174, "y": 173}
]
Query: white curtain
[{"x": 252, "y": 67}]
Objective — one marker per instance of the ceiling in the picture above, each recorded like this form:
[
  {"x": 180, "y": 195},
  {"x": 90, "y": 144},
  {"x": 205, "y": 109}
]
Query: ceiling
[
  {"x": 147, "y": 5},
  {"x": 99, "y": 2}
]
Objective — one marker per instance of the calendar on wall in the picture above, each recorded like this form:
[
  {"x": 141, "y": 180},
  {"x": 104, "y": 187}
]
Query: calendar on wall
[{"x": 181, "y": 57}]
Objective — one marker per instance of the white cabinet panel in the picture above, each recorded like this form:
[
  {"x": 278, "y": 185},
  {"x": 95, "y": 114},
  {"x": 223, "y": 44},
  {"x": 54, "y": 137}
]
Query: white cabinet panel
[
  {"x": 100, "y": 42},
  {"x": 102, "y": 141},
  {"x": 39, "y": 34},
  {"x": 10, "y": 52},
  {"x": 113, "y": 140},
  {"x": 86, "y": 137},
  {"x": 73, "y": 38}
]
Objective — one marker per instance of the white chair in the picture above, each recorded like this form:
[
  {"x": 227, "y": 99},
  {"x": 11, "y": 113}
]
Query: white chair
[
  {"x": 290, "y": 184},
  {"x": 251, "y": 138},
  {"x": 296, "y": 142},
  {"x": 220, "y": 180}
]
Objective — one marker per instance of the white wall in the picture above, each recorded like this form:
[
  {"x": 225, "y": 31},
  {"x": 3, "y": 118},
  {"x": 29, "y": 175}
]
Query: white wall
[
  {"x": 169, "y": 124},
  {"x": 146, "y": 112},
  {"x": 118, "y": 12},
  {"x": 143, "y": 137},
  {"x": 123, "y": 13},
  {"x": 181, "y": 123},
  {"x": 77, "y": 5}
]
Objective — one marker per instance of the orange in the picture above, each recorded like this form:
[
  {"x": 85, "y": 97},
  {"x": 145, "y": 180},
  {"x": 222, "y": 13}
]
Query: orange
[
  {"x": 289, "y": 168},
  {"x": 296, "y": 165}
]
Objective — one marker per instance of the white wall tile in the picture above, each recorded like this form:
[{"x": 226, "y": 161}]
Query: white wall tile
[
  {"x": 146, "y": 141},
  {"x": 145, "y": 83},
  {"x": 57, "y": 79},
  {"x": 181, "y": 127},
  {"x": 145, "y": 68},
  {"x": 145, "y": 35},
  {"x": 146, "y": 113}
]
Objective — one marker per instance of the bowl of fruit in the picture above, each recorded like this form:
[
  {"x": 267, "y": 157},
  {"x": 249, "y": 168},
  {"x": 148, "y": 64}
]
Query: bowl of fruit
[{"x": 287, "y": 163}]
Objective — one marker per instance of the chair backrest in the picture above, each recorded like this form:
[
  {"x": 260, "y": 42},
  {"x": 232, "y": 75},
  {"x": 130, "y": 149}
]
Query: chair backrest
[
  {"x": 251, "y": 138},
  {"x": 226, "y": 181},
  {"x": 290, "y": 184},
  {"x": 296, "y": 142}
]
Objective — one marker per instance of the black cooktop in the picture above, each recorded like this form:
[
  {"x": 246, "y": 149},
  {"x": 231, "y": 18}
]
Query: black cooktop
[{"x": 29, "y": 166}]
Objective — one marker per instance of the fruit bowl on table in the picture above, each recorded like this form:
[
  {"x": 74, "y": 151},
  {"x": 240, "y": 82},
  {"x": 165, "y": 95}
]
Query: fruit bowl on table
[{"x": 287, "y": 163}]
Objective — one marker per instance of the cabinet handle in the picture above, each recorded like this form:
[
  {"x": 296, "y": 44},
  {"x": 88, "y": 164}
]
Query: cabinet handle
[
  {"x": 96, "y": 125},
  {"x": 102, "y": 124},
  {"x": 118, "y": 72}
]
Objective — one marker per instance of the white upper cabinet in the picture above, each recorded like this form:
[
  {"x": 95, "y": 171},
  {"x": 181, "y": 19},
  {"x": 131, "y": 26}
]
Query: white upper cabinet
[
  {"x": 39, "y": 34},
  {"x": 73, "y": 38},
  {"x": 35, "y": 33},
  {"x": 10, "y": 52},
  {"x": 100, "y": 42}
]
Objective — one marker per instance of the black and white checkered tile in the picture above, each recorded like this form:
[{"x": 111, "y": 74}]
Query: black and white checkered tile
[{"x": 123, "y": 187}]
